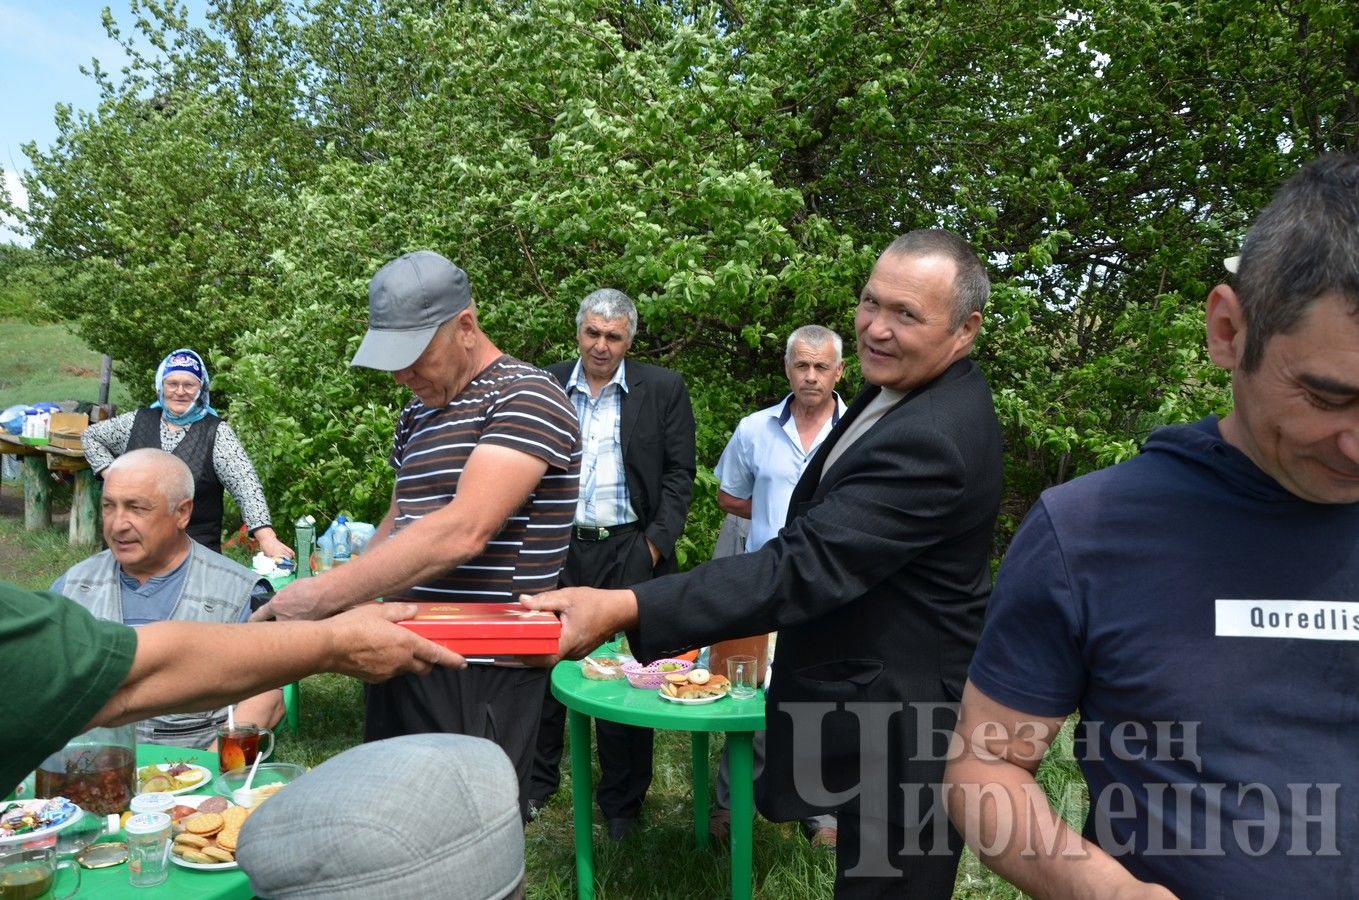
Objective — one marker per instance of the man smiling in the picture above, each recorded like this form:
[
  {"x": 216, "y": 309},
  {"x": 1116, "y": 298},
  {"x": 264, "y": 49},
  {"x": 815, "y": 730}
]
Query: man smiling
[
  {"x": 1196, "y": 605},
  {"x": 877, "y": 583}
]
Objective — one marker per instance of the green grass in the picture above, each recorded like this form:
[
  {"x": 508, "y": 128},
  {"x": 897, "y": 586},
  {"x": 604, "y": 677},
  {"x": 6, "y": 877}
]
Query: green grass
[{"x": 47, "y": 362}]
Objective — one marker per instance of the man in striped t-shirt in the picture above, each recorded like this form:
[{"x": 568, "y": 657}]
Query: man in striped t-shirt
[{"x": 487, "y": 463}]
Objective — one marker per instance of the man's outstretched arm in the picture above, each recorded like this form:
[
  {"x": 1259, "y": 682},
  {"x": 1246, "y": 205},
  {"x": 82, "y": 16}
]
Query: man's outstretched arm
[{"x": 181, "y": 666}]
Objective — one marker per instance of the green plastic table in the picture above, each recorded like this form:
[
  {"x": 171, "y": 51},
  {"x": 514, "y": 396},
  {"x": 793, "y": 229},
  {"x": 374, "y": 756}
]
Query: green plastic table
[
  {"x": 183, "y": 884},
  {"x": 617, "y": 701}
]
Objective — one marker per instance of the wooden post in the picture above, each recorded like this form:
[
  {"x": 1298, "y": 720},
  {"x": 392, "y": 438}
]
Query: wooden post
[
  {"x": 37, "y": 494},
  {"x": 84, "y": 510},
  {"x": 105, "y": 377},
  {"x": 84, "y": 526}
]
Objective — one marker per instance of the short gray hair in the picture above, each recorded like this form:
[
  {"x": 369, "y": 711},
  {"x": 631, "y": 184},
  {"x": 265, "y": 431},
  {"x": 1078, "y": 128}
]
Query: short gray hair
[
  {"x": 971, "y": 286},
  {"x": 176, "y": 481},
  {"x": 1303, "y": 246},
  {"x": 608, "y": 303},
  {"x": 814, "y": 336}
]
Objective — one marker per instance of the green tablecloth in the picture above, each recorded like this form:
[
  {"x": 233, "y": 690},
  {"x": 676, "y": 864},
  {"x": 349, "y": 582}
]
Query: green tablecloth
[{"x": 183, "y": 884}]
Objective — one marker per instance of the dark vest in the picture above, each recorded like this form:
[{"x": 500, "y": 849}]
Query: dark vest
[{"x": 195, "y": 450}]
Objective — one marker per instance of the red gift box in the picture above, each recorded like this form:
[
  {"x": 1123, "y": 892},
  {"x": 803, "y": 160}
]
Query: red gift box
[{"x": 487, "y": 629}]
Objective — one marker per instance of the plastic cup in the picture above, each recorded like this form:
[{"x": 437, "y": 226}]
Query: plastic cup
[
  {"x": 741, "y": 673},
  {"x": 148, "y": 849}
]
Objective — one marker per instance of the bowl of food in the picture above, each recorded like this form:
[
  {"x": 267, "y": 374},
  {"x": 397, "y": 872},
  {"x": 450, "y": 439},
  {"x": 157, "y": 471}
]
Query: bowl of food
[
  {"x": 602, "y": 667},
  {"x": 270, "y": 778},
  {"x": 651, "y": 677}
]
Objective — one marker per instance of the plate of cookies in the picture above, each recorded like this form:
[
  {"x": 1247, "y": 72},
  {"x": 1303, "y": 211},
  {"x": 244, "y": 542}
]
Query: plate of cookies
[
  {"x": 206, "y": 832},
  {"x": 694, "y": 688}
]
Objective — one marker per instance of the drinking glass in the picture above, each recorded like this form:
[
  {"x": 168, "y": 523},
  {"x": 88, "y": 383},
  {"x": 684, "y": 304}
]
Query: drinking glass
[
  {"x": 30, "y": 873},
  {"x": 238, "y": 746},
  {"x": 741, "y": 674}
]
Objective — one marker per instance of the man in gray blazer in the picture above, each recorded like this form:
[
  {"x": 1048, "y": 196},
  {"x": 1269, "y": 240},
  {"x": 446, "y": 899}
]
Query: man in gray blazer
[{"x": 877, "y": 584}]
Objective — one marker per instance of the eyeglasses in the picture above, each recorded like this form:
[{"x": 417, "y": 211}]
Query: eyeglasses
[{"x": 180, "y": 387}]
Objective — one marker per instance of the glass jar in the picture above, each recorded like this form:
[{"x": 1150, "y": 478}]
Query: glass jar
[{"x": 96, "y": 771}]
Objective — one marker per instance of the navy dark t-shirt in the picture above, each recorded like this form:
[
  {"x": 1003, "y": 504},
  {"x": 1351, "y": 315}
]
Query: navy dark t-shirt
[{"x": 1204, "y": 622}]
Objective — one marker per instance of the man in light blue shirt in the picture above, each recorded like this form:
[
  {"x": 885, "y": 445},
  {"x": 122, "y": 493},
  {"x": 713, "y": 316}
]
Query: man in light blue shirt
[
  {"x": 766, "y": 455},
  {"x": 757, "y": 473}
]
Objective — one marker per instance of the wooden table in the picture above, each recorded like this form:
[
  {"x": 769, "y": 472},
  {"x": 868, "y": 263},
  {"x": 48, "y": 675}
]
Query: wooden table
[
  {"x": 618, "y": 701},
  {"x": 37, "y": 490},
  {"x": 37, "y": 462}
]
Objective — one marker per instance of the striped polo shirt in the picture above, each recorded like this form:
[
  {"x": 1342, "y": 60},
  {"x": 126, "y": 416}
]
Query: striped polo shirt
[{"x": 509, "y": 404}]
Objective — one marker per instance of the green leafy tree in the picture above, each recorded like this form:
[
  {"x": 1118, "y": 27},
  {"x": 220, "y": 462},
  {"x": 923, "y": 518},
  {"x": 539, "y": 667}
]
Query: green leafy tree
[{"x": 734, "y": 166}]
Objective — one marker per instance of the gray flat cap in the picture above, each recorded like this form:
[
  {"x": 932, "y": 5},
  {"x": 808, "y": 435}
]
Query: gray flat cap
[{"x": 428, "y": 815}]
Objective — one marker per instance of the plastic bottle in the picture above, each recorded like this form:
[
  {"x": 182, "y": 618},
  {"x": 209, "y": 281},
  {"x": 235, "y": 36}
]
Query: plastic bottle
[
  {"x": 339, "y": 536},
  {"x": 85, "y": 831}
]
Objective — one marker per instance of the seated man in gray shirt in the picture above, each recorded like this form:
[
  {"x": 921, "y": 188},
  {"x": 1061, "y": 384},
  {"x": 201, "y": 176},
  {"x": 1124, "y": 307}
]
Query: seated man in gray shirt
[{"x": 153, "y": 571}]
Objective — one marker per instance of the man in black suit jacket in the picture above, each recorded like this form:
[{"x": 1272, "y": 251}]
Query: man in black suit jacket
[
  {"x": 877, "y": 584},
  {"x": 636, "y": 478}
]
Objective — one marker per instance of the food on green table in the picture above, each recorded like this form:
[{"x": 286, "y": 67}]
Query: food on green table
[
  {"x": 601, "y": 668},
  {"x": 168, "y": 777},
  {"x": 699, "y": 676},
  {"x": 211, "y": 838},
  {"x": 179, "y": 814},
  {"x": 260, "y": 794},
  {"x": 151, "y": 785},
  {"x": 715, "y": 686},
  {"x": 26, "y": 816}
]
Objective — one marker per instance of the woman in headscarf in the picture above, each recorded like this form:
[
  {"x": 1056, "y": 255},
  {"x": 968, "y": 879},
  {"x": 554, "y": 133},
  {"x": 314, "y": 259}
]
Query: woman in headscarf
[{"x": 183, "y": 422}]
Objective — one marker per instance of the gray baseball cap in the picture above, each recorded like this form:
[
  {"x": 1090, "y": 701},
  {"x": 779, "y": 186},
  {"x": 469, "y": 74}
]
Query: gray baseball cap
[{"x": 408, "y": 299}]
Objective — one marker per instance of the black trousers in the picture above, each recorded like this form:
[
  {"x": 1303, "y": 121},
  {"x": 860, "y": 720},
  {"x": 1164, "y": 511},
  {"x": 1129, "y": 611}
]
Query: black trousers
[
  {"x": 494, "y": 702},
  {"x": 925, "y": 857},
  {"x": 624, "y": 750}
]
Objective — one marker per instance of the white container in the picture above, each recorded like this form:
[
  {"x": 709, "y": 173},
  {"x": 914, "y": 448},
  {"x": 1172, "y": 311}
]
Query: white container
[
  {"x": 148, "y": 849},
  {"x": 153, "y": 802},
  {"x": 36, "y": 426}
]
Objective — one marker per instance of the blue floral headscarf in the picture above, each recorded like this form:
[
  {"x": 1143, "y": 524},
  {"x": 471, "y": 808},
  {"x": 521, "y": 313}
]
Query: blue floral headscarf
[{"x": 186, "y": 361}]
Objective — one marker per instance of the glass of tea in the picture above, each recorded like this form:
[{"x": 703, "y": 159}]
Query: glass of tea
[
  {"x": 239, "y": 745},
  {"x": 28, "y": 873}
]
